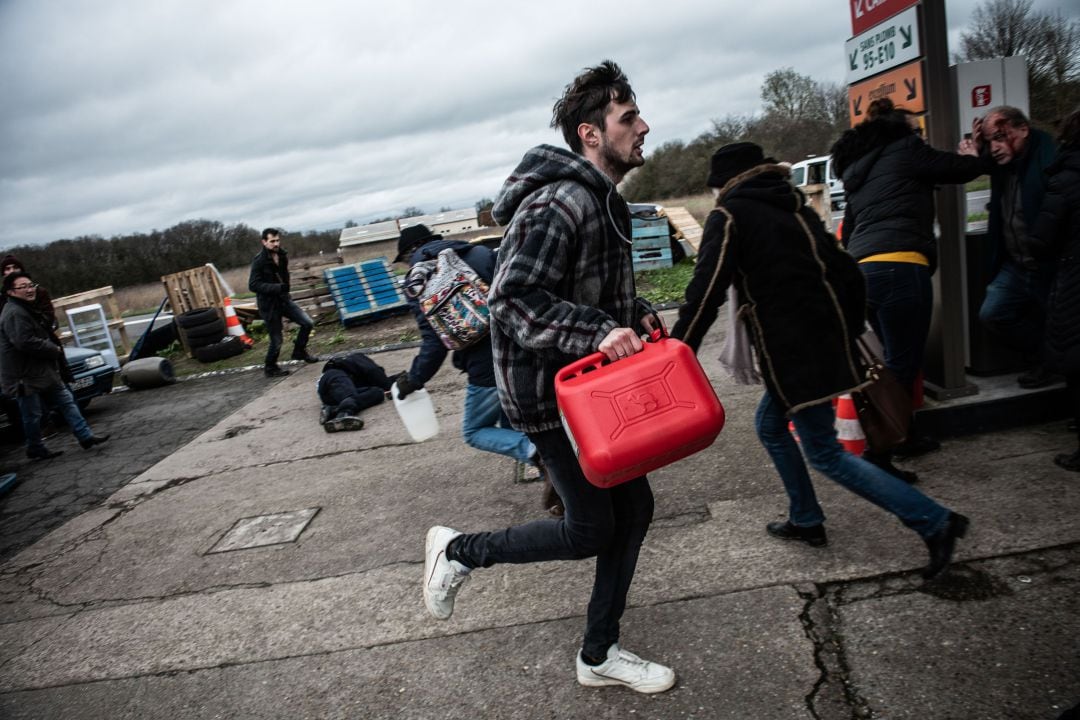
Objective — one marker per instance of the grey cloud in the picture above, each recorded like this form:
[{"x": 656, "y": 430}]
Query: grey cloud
[{"x": 123, "y": 117}]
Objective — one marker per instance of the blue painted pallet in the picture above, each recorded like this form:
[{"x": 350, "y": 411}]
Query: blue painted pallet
[
  {"x": 650, "y": 227},
  {"x": 365, "y": 291},
  {"x": 651, "y": 259},
  {"x": 651, "y": 243}
]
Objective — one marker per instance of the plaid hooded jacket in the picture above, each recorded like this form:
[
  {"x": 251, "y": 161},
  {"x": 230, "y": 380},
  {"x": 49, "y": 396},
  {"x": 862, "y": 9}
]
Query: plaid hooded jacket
[{"x": 563, "y": 280}]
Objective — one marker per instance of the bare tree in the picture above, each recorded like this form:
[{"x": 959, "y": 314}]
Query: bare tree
[
  {"x": 999, "y": 28},
  {"x": 834, "y": 98},
  {"x": 1049, "y": 42},
  {"x": 1058, "y": 66},
  {"x": 788, "y": 94}
]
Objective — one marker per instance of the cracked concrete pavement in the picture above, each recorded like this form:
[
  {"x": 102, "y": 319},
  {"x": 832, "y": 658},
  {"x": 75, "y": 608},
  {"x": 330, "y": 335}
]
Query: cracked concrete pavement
[
  {"x": 120, "y": 611},
  {"x": 144, "y": 426}
]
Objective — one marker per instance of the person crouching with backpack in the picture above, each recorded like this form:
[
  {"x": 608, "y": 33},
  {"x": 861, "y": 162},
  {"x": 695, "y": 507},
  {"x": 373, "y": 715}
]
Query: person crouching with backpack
[{"x": 484, "y": 425}]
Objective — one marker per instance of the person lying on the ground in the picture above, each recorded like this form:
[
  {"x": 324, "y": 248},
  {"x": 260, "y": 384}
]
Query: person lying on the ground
[{"x": 347, "y": 386}]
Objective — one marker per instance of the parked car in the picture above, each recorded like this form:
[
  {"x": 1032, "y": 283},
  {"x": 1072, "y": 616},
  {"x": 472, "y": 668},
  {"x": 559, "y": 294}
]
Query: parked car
[
  {"x": 819, "y": 170},
  {"x": 93, "y": 374}
]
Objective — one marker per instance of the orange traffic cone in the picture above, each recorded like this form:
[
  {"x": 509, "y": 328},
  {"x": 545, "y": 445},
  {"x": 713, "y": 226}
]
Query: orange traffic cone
[
  {"x": 233, "y": 326},
  {"x": 848, "y": 430}
]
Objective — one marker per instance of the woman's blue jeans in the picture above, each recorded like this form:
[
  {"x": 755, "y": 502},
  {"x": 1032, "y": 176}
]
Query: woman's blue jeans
[
  {"x": 899, "y": 303},
  {"x": 608, "y": 524},
  {"x": 816, "y": 427},
  {"x": 486, "y": 427}
]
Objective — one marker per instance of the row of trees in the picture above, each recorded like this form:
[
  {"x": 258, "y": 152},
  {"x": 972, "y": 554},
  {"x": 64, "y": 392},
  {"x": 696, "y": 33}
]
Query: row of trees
[
  {"x": 802, "y": 117},
  {"x": 70, "y": 266}
]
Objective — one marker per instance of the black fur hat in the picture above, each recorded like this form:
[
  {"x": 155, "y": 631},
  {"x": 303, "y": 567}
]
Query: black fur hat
[
  {"x": 411, "y": 238},
  {"x": 730, "y": 160}
]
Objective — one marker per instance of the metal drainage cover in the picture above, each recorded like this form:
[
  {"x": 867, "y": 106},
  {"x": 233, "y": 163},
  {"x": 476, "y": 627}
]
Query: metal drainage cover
[{"x": 265, "y": 530}]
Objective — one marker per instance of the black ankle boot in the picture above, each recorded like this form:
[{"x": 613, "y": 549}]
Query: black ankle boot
[
  {"x": 812, "y": 535},
  {"x": 942, "y": 544}
]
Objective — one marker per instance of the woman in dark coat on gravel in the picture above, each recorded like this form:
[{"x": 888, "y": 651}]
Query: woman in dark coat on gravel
[
  {"x": 889, "y": 176},
  {"x": 1056, "y": 235}
]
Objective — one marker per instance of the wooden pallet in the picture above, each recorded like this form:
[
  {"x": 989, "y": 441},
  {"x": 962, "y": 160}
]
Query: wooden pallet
[
  {"x": 191, "y": 290},
  {"x": 308, "y": 289},
  {"x": 688, "y": 231}
]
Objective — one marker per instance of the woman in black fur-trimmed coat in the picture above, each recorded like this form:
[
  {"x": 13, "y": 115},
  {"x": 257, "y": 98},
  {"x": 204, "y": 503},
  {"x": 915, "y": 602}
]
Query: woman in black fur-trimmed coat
[
  {"x": 889, "y": 176},
  {"x": 1056, "y": 235},
  {"x": 803, "y": 303}
]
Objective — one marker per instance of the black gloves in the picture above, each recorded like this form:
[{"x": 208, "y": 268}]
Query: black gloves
[{"x": 406, "y": 386}]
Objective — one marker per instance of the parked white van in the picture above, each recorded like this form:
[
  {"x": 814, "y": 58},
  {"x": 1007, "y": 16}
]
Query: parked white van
[{"x": 819, "y": 170}]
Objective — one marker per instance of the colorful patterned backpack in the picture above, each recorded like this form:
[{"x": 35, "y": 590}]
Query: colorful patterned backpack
[{"x": 452, "y": 297}]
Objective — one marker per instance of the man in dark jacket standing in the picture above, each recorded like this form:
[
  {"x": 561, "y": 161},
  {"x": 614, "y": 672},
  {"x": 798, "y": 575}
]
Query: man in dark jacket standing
[
  {"x": 484, "y": 424},
  {"x": 803, "y": 299},
  {"x": 30, "y": 362},
  {"x": 1015, "y": 304},
  {"x": 563, "y": 289},
  {"x": 269, "y": 280}
]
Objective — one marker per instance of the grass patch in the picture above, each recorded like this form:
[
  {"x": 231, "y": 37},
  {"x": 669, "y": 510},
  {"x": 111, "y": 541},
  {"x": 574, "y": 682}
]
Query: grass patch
[
  {"x": 980, "y": 183},
  {"x": 978, "y": 217},
  {"x": 665, "y": 285},
  {"x": 329, "y": 338}
]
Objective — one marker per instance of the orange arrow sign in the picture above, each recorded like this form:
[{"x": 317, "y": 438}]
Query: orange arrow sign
[{"x": 904, "y": 86}]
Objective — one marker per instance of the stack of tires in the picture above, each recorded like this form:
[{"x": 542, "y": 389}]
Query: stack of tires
[{"x": 204, "y": 332}]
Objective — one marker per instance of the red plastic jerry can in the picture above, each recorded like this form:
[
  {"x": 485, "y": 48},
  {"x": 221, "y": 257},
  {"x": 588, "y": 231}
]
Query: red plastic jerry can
[{"x": 630, "y": 417}]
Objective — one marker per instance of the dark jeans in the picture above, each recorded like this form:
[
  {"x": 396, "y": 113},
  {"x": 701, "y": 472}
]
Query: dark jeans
[
  {"x": 900, "y": 300},
  {"x": 609, "y": 524},
  {"x": 816, "y": 426},
  {"x": 59, "y": 397},
  {"x": 338, "y": 391},
  {"x": 273, "y": 320},
  {"x": 1015, "y": 306}
]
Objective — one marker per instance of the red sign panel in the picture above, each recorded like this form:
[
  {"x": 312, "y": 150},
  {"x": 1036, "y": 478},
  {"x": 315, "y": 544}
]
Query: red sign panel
[
  {"x": 865, "y": 14},
  {"x": 980, "y": 96}
]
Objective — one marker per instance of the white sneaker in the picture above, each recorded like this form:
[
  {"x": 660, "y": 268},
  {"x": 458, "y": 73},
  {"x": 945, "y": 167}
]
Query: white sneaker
[
  {"x": 626, "y": 668},
  {"x": 442, "y": 577}
]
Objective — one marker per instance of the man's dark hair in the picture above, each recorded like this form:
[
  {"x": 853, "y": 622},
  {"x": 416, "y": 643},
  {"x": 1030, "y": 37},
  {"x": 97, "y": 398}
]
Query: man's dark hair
[
  {"x": 270, "y": 231},
  {"x": 585, "y": 100},
  {"x": 9, "y": 280},
  {"x": 1011, "y": 115}
]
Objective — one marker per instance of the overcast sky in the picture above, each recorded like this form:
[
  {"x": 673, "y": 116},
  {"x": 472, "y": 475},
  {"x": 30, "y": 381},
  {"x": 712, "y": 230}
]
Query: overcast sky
[{"x": 123, "y": 116}]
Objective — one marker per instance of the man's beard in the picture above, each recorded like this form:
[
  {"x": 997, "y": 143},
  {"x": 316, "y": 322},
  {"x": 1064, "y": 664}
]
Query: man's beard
[{"x": 618, "y": 164}]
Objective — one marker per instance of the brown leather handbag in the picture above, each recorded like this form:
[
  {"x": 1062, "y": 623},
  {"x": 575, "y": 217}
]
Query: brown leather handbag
[{"x": 883, "y": 406}]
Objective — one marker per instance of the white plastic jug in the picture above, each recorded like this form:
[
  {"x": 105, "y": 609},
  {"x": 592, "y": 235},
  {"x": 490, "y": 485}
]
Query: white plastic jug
[{"x": 417, "y": 412}]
